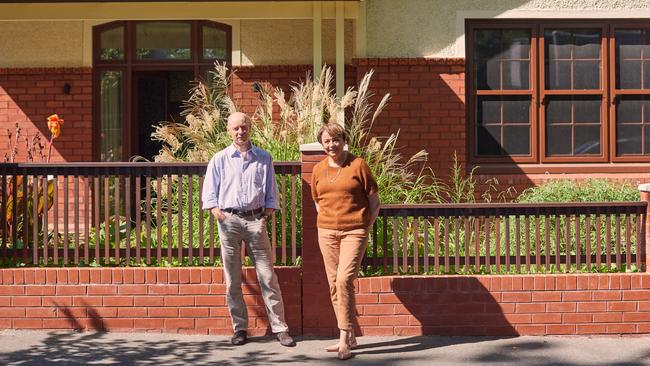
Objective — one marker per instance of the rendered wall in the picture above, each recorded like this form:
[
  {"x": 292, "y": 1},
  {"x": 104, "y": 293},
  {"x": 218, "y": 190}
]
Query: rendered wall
[
  {"x": 41, "y": 44},
  {"x": 68, "y": 43},
  {"x": 289, "y": 42},
  {"x": 435, "y": 28}
]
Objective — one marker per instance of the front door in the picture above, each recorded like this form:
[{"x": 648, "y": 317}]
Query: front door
[{"x": 157, "y": 97}]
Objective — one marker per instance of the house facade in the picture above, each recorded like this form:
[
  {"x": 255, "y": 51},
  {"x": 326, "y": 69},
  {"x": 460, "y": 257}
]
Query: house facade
[{"x": 525, "y": 90}]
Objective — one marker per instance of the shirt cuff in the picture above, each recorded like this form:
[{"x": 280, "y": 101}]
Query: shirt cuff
[{"x": 207, "y": 205}]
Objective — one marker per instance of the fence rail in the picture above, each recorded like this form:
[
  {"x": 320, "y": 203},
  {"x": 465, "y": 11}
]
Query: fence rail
[
  {"x": 124, "y": 214},
  {"x": 508, "y": 238}
]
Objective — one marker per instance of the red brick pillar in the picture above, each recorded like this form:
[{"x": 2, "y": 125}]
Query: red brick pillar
[
  {"x": 645, "y": 250},
  {"x": 317, "y": 314}
]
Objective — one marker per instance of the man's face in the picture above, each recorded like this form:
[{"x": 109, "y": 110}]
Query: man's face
[{"x": 239, "y": 130}]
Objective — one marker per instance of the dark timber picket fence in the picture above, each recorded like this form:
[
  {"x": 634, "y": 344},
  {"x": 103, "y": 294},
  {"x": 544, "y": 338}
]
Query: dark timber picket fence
[{"x": 126, "y": 214}]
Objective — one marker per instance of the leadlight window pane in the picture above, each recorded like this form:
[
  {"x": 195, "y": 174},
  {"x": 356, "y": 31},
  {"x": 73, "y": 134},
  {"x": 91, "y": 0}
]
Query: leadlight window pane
[
  {"x": 215, "y": 43},
  {"x": 587, "y": 140},
  {"x": 586, "y": 110},
  {"x": 628, "y": 74},
  {"x": 502, "y": 59},
  {"x": 516, "y": 140},
  {"x": 558, "y": 111},
  {"x": 503, "y": 125},
  {"x": 163, "y": 41},
  {"x": 587, "y": 44},
  {"x": 628, "y": 139},
  {"x": 488, "y": 73},
  {"x": 516, "y": 110},
  {"x": 585, "y": 75},
  {"x": 558, "y": 140},
  {"x": 573, "y": 125},
  {"x": 559, "y": 75},
  {"x": 629, "y": 43},
  {"x": 489, "y": 110},
  {"x": 632, "y": 116},
  {"x": 558, "y": 44},
  {"x": 573, "y": 59},
  {"x": 516, "y": 75},
  {"x": 489, "y": 140},
  {"x": 111, "y": 43},
  {"x": 629, "y": 110},
  {"x": 632, "y": 58}
]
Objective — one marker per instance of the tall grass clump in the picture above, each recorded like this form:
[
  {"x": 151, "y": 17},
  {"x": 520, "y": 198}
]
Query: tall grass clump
[{"x": 312, "y": 103}]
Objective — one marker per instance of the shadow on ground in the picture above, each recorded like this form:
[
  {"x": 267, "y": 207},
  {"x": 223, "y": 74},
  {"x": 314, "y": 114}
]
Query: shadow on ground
[{"x": 87, "y": 348}]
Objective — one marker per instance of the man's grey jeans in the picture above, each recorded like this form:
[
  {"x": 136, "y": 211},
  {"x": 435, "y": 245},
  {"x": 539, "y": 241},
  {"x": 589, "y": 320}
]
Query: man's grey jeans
[{"x": 253, "y": 232}]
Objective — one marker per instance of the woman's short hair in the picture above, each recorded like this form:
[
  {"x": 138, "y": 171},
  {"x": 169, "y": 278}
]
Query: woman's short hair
[{"x": 333, "y": 129}]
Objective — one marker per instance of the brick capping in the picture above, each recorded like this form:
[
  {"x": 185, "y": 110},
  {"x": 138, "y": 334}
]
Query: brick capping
[
  {"x": 408, "y": 61},
  {"x": 261, "y": 68}
]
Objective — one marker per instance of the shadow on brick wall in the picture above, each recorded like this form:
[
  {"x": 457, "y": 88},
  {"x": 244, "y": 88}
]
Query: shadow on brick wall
[{"x": 451, "y": 306}]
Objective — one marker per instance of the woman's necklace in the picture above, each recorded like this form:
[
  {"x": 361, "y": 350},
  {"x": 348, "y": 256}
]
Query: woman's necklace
[{"x": 338, "y": 171}]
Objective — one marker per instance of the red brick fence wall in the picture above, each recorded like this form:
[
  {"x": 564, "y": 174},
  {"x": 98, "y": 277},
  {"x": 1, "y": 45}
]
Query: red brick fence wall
[
  {"x": 192, "y": 300},
  {"x": 183, "y": 300}
]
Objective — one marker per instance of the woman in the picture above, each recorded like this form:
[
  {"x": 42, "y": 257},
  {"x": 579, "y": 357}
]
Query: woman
[{"x": 347, "y": 203}]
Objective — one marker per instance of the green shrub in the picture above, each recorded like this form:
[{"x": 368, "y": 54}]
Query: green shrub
[{"x": 591, "y": 190}]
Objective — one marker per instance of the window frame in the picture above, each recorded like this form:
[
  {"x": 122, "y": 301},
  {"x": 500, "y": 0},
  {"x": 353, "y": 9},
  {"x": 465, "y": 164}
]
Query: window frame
[
  {"x": 540, "y": 94},
  {"x": 616, "y": 93},
  {"x": 545, "y": 93},
  {"x": 474, "y": 93}
]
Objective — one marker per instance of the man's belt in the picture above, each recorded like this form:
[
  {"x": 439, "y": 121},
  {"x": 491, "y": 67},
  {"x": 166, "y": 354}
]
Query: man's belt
[{"x": 243, "y": 213}]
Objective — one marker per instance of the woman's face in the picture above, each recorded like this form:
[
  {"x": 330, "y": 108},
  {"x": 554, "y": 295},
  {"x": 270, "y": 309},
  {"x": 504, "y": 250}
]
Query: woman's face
[{"x": 333, "y": 146}]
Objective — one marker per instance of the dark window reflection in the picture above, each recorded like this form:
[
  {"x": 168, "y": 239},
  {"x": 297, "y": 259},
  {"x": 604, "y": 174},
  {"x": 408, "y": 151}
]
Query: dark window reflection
[
  {"x": 503, "y": 125},
  {"x": 632, "y": 115},
  {"x": 573, "y": 59},
  {"x": 502, "y": 59},
  {"x": 573, "y": 125}
]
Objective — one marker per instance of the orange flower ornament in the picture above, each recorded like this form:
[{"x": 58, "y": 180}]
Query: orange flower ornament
[{"x": 54, "y": 125}]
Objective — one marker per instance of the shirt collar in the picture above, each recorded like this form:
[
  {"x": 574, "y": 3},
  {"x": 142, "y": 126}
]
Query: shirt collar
[{"x": 234, "y": 152}]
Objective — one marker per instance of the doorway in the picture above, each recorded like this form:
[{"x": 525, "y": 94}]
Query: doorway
[{"x": 157, "y": 97}]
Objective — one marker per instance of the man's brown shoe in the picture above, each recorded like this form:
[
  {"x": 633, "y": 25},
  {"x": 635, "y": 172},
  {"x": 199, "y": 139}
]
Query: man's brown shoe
[
  {"x": 238, "y": 338},
  {"x": 285, "y": 339}
]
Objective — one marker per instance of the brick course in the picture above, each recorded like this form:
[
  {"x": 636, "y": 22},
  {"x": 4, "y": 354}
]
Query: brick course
[{"x": 116, "y": 299}]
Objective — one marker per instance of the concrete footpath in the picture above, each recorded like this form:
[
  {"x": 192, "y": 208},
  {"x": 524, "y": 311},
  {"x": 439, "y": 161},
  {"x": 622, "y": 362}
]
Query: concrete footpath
[{"x": 95, "y": 348}]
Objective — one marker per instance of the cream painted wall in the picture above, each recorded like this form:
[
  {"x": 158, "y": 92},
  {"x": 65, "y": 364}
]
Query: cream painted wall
[
  {"x": 289, "y": 42},
  {"x": 261, "y": 42},
  {"x": 435, "y": 28},
  {"x": 41, "y": 43}
]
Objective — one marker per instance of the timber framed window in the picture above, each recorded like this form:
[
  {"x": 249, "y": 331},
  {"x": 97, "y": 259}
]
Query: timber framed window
[{"x": 558, "y": 91}]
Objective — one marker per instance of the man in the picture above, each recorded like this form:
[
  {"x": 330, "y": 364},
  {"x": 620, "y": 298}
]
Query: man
[{"x": 241, "y": 192}]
